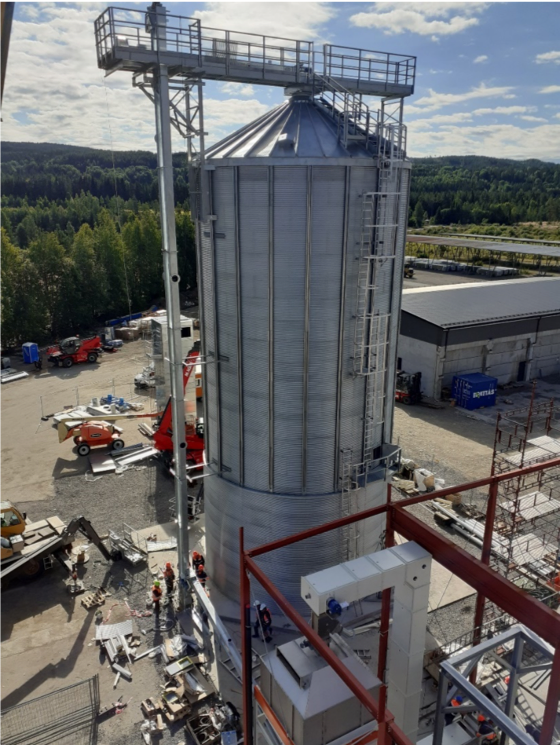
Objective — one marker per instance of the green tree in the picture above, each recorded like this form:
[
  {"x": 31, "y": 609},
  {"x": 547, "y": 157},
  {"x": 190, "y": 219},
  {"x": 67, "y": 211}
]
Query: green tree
[
  {"x": 142, "y": 240},
  {"x": 51, "y": 264},
  {"x": 85, "y": 288},
  {"x": 109, "y": 252},
  {"x": 186, "y": 248},
  {"x": 22, "y": 317}
]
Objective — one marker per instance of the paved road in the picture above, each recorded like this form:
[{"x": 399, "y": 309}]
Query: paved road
[{"x": 424, "y": 278}]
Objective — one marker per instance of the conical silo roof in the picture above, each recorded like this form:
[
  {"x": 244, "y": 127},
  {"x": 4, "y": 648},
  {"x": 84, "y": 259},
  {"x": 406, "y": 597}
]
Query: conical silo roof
[{"x": 298, "y": 128}]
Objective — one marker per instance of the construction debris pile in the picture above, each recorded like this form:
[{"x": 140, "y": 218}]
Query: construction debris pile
[{"x": 188, "y": 694}]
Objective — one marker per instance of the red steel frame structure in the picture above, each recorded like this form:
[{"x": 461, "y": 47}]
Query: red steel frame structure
[{"x": 475, "y": 572}]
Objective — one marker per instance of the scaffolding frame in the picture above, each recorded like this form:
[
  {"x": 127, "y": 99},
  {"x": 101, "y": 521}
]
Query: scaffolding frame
[
  {"x": 536, "y": 616},
  {"x": 527, "y": 523}
]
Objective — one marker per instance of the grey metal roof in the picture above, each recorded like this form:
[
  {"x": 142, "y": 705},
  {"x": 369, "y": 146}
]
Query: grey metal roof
[
  {"x": 484, "y": 302},
  {"x": 298, "y": 128},
  {"x": 520, "y": 248}
]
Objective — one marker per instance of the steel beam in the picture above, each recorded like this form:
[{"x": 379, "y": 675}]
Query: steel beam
[
  {"x": 171, "y": 278},
  {"x": 504, "y": 723},
  {"x": 265, "y": 548},
  {"x": 246, "y": 651},
  {"x": 485, "y": 559},
  {"x": 554, "y": 463},
  {"x": 272, "y": 718},
  {"x": 343, "y": 521},
  {"x": 513, "y": 600},
  {"x": 552, "y": 701},
  {"x": 516, "y": 658}
]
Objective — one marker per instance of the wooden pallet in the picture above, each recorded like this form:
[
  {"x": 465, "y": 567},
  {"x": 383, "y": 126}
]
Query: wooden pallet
[{"x": 94, "y": 599}]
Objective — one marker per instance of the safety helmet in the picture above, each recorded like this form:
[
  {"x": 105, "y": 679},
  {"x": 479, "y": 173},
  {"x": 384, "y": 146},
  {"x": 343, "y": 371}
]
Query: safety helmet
[
  {"x": 168, "y": 565},
  {"x": 459, "y": 699},
  {"x": 201, "y": 568},
  {"x": 156, "y": 583},
  {"x": 195, "y": 555},
  {"x": 481, "y": 718},
  {"x": 257, "y": 603}
]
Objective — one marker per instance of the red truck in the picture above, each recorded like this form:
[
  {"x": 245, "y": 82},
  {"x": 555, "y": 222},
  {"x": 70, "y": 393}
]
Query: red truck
[{"x": 73, "y": 350}]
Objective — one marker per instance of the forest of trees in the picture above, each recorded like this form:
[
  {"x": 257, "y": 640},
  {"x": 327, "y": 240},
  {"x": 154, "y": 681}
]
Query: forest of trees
[
  {"x": 81, "y": 239},
  {"x": 476, "y": 190}
]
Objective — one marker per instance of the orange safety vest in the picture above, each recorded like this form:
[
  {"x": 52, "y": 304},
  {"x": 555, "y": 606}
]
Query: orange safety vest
[{"x": 156, "y": 593}]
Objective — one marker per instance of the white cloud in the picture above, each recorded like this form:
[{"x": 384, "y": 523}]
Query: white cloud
[
  {"x": 480, "y": 58},
  {"x": 239, "y": 89},
  {"x": 504, "y": 110},
  {"x": 54, "y": 91},
  {"x": 557, "y": 116},
  {"x": 439, "y": 119},
  {"x": 554, "y": 57},
  {"x": 529, "y": 118},
  {"x": 435, "y": 100},
  {"x": 507, "y": 140},
  {"x": 550, "y": 89},
  {"x": 426, "y": 19},
  {"x": 289, "y": 20}
]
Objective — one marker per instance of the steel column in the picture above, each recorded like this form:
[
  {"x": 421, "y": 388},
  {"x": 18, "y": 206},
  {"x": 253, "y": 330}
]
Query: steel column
[
  {"x": 485, "y": 559},
  {"x": 439, "y": 724},
  {"x": 516, "y": 658},
  {"x": 308, "y": 238},
  {"x": 384, "y": 633},
  {"x": 246, "y": 651},
  {"x": 156, "y": 15},
  {"x": 552, "y": 700},
  {"x": 513, "y": 600}
]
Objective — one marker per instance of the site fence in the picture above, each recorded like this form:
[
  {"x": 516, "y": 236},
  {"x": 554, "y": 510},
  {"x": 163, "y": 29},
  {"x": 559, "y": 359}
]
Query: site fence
[{"x": 65, "y": 717}]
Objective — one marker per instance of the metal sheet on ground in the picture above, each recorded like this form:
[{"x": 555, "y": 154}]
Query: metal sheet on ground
[
  {"x": 109, "y": 631},
  {"x": 102, "y": 463}
]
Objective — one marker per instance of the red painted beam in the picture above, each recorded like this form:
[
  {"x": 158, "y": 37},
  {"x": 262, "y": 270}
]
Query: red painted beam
[
  {"x": 265, "y": 548},
  {"x": 270, "y": 714},
  {"x": 554, "y": 463},
  {"x": 343, "y": 521},
  {"x": 522, "y": 606}
]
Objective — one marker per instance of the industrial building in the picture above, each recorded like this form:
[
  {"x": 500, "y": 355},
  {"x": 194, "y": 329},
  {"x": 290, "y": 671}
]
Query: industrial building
[{"x": 509, "y": 330}]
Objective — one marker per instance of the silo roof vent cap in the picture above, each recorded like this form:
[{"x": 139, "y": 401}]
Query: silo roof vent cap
[{"x": 286, "y": 139}]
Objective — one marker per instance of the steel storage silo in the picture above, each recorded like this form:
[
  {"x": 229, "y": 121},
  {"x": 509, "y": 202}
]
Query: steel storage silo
[{"x": 301, "y": 248}]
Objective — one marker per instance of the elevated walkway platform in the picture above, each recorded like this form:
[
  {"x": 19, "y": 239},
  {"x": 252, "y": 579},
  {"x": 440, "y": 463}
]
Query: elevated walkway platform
[{"x": 124, "y": 42}]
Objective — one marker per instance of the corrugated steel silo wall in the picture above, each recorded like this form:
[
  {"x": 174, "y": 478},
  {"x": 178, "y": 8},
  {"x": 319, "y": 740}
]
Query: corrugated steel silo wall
[{"x": 279, "y": 282}]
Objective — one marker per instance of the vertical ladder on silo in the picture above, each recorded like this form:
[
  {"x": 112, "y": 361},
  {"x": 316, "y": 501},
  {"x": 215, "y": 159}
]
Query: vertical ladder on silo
[{"x": 349, "y": 486}]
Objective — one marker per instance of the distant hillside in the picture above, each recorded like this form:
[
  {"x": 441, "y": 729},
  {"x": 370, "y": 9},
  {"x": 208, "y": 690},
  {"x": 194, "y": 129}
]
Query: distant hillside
[
  {"x": 447, "y": 190},
  {"x": 473, "y": 189},
  {"x": 56, "y": 172}
]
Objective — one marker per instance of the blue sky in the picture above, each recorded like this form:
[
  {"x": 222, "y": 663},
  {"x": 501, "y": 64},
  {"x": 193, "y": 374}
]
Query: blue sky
[{"x": 488, "y": 78}]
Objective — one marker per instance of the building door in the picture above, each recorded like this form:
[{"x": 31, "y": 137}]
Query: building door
[{"x": 521, "y": 368}]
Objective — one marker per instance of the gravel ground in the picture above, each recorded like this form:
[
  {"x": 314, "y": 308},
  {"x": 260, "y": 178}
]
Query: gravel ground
[{"x": 130, "y": 496}]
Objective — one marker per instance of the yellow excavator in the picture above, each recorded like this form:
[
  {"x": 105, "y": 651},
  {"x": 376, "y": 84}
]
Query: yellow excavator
[{"x": 25, "y": 544}]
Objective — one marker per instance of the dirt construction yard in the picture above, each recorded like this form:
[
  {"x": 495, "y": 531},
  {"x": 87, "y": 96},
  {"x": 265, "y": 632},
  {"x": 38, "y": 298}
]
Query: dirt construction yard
[{"x": 47, "y": 636}]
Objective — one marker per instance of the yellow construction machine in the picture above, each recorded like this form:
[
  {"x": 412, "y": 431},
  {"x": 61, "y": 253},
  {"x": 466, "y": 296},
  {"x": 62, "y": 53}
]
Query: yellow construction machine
[{"x": 25, "y": 545}]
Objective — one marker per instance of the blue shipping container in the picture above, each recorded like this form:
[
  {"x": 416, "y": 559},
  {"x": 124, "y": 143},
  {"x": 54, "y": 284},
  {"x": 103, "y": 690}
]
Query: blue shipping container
[
  {"x": 475, "y": 390},
  {"x": 30, "y": 352}
]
